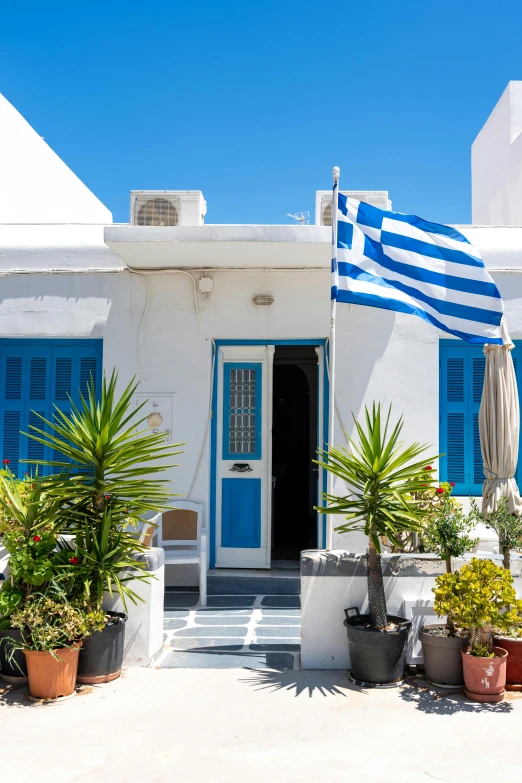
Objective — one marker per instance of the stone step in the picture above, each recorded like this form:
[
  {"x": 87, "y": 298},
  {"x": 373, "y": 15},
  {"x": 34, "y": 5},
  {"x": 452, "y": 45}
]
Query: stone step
[{"x": 236, "y": 582}]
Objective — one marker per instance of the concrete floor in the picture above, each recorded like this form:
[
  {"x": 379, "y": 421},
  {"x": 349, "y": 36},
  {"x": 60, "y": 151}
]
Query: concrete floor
[{"x": 224, "y": 726}]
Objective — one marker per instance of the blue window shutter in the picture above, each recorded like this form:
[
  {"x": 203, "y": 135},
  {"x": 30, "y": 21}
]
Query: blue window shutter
[
  {"x": 461, "y": 380},
  {"x": 454, "y": 438},
  {"x": 517, "y": 362},
  {"x": 34, "y": 376},
  {"x": 72, "y": 368},
  {"x": 477, "y": 367}
]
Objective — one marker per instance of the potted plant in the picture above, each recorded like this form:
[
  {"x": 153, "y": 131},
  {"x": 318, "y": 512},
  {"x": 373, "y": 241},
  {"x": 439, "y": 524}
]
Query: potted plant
[
  {"x": 109, "y": 479},
  {"x": 52, "y": 631},
  {"x": 29, "y": 525},
  {"x": 508, "y": 528},
  {"x": 478, "y": 597},
  {"x": 506, "y": 525},
  {"x": 381, "y": 475},
  {"x": 447, "y": 534}
]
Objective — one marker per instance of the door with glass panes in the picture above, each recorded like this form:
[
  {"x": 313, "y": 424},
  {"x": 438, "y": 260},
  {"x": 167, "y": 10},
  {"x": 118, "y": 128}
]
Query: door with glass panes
[{"x": 243, "y": 485}]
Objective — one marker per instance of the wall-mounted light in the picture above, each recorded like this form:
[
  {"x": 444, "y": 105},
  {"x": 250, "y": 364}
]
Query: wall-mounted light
[{"x": 263, "y": 300}]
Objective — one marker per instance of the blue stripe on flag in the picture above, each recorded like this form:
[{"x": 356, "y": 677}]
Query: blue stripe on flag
[
  {"x": 344, "y": 234},
  {"x": 430, "y": 228},
  {"x": 368, "y": 215},
  {"x": 403, "y": 242},
  {"x": 374, "y": 250},
  {"x": 478, "y": 314},
  {"x": 370, "y": 300}
]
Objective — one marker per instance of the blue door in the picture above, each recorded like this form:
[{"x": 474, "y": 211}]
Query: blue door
[{"x": 243, "y": 502}]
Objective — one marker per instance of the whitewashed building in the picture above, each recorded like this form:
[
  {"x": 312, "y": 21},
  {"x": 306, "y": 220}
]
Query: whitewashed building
[{"x": 201, "y": 313}]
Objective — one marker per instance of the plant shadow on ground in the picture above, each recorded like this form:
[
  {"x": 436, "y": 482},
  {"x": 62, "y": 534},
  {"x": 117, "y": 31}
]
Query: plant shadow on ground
[
  {"x": 439, "y": 701},
  {"x": 327, "y": 682},
  {"x": 18, "y": 696}
]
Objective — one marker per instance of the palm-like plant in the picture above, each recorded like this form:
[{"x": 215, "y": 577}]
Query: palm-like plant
[
  {"x": 104, "y": 457},
  {"x": 108, "y": 478},
  {"x": 381, "y": 474}
]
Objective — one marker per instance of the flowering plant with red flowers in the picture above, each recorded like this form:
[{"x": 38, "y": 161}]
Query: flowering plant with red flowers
[{"x": 29, "y": 525}]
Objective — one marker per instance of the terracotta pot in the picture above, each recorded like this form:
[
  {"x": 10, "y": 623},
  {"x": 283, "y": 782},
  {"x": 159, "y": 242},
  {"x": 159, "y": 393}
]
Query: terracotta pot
[
  {"x": 50, "y": 678},
  {"x": 514, "y": 661},
  {"x": 485, "y": 678}
]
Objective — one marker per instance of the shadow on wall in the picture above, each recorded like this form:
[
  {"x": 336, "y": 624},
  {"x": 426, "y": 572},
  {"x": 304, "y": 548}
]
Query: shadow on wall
[
  {"x": 363, "y": 334},
  {"x": 57, "y": 306}
]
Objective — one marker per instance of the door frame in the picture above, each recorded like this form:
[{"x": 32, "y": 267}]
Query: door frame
[{"x": 322, "y": 419}]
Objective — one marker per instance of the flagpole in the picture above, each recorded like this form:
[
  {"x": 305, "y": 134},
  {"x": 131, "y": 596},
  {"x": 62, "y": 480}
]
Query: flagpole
[{"x": 331, "y": 358}]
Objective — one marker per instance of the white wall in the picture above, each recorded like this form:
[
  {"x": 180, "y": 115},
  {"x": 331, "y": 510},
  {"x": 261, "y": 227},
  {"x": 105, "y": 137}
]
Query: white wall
[
  {"x": 381, "y": 355},
  {"x": 496, "y": 163}
]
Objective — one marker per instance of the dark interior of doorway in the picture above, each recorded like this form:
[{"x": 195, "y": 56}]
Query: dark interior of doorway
[{"x": 294, "y": 444}]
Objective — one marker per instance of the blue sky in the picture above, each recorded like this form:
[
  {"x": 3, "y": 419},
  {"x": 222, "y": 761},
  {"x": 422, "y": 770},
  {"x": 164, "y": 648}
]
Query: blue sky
[{"x": 254, "y": 102}]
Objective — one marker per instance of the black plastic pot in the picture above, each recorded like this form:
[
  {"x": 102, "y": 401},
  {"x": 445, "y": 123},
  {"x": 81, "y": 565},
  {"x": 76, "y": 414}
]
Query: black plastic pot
[
  {"x": 13, "y": 671},
  {"x": 442, "y": 658},
  {"x": 376, "y": 657},
  {"x": 101, "y": 655}
]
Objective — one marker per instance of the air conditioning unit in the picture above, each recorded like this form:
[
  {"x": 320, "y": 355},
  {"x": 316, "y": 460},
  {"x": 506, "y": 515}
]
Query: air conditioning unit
[
  {"x": 323, "y": 202},
  {"x": 167, "y": 208}
]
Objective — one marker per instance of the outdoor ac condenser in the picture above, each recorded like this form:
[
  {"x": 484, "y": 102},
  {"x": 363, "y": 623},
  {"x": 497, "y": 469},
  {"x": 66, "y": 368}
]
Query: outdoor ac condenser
[
  {"x": 323, "y": 202},
  {"x": 167, "y": 208}
]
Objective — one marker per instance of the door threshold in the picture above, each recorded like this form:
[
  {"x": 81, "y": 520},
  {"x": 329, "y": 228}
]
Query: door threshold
[{"x": 255, "y": 572}]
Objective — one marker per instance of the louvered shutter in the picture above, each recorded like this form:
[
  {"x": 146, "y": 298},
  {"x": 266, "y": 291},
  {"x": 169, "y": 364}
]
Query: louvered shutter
[
  {"x": 454, "y": 418},
  {"x": 34, "y": 375},
  {"x": 477, "y": 365},
  {"x": 461, "y": 380},
  {"x": 72, "y": 369},
  {"x": 25, "y": 388}
]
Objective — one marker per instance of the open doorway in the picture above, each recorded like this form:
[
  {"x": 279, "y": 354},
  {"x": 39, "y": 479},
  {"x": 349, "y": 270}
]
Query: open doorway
[{"x": 294, "y": 444}]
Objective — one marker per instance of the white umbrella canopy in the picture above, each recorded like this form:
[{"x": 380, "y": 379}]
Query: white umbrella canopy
[{"x": 499, "y": 426}]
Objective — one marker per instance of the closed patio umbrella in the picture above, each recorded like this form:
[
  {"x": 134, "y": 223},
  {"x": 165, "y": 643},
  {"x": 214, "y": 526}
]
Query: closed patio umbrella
[{"x": 499, "y": 425}]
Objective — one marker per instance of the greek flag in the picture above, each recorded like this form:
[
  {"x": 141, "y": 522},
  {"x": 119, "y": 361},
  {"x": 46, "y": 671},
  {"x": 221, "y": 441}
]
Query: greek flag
[{"x": 401, "y": 262}]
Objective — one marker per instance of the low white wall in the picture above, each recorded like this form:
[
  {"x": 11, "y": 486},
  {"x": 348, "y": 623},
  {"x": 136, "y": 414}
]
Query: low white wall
[
  {"x": 333, "y": 581},
  {"x": 144, "y": 628},
  {"x": 4, "y": 561}
]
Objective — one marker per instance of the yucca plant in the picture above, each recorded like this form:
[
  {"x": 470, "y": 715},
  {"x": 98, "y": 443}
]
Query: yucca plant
[
  {"x": 104, "y": 454},
  {"x": 381, "y": 475},
  {"x": 102, "y": 559},
  {"x": 108, "y": 479}
]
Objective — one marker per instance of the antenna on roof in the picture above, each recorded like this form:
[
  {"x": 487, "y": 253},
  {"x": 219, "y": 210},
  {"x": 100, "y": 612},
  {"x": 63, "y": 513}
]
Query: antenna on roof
[{"x": 302, "y": 218}]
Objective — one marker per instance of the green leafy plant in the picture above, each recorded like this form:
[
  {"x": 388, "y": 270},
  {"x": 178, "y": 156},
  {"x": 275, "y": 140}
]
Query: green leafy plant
[
  {"x": 479, "y": 596},
  {"x": 10, "y": 598},
  {"x": 381, "y": 476},
  {"x": 428, "y": 501},
  {"x": 23, "y": 487},
  {"x": 30, "y": 520},
  {"x": 447, "y": 531},
  {"x": 506, "y": 525},
  {"x": 48, "y": 622}
]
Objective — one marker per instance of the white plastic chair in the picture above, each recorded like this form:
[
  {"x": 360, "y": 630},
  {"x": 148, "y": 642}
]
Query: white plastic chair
[{"x": 181, "y": 534}]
